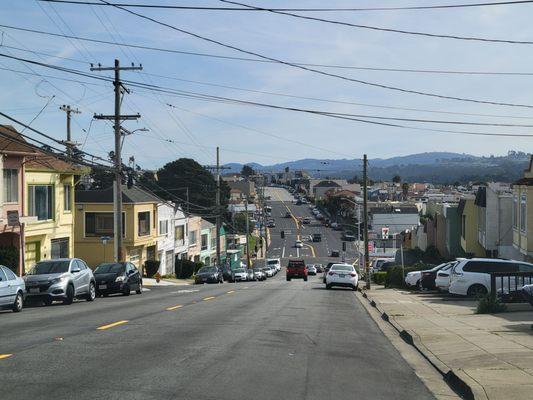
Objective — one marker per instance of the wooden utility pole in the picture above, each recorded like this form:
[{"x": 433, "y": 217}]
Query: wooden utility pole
[
  {"x": 247, "y": 233},
  {"x": 218, "y": 206},
  {"x": 117, "y": 118},
  {"x": 69, "y": 143},
  {"x": 365, "y": 221}
]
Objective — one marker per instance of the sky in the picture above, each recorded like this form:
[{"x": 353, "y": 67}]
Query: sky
[{"x": 181, "y": 126}]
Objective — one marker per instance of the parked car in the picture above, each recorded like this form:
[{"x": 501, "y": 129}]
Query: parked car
[
  {"x": 343, "y": 275},
  {"x": 239, "y": 275},
  {"x": 442, "y": 281},
  {"x": 317, "y": 237},
  {"x": 335, "y": 253},
  {"x": 250, "y": 274},
  {"x": 306, "y": 221},
  {"x": 274, "y": 262},
  {"x": 377, "y": 262},
  {"x": 259, "y": 274},
  {"x": 208, "y": 275},
  {"x": 427, "y": 278},
  {"x": 61, "y": 279},
  {"x": 298, "y": 244},
  {"x": 12, "y": 290},
  {"x": 471, "y": 277},
  {"x": 268, "y": 271},
  {"x": 319, "y": 268},
  {"x": 387, "y": 265},
  {"x": 296, "y": 269},
  {"x": 117, "y": 278},
  {"x": 414, "y": 278},
  {"x": 334, "y": 225},
  {"x": 311, "y": 270}
]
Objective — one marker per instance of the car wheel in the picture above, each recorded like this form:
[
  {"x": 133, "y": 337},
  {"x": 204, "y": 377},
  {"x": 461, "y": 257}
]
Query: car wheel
[
  {"x": 92, "y": 292},
  {"x": 477, "y": 291},
  {"x": 70, "y": 295},
  {"x": 418, "y": 286},
  {"x": 18, "y": 304},
  {"x": 140, "y": 289},
  {"x": 127, "y": 290},
  {"x": 288, "y": 279},
  {"x": 328, "y": 286}
]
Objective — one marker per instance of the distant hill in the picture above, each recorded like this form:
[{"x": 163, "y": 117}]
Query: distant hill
[{"x": 436, "y": 167}]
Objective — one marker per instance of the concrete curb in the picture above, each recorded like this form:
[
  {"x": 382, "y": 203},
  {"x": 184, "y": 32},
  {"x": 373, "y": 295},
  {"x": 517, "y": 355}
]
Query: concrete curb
[{"x": 455, "y": 379}]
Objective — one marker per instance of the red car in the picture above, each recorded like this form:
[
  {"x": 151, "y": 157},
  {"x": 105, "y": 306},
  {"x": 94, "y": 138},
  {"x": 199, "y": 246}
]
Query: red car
[{"x": 296, "y": 269}]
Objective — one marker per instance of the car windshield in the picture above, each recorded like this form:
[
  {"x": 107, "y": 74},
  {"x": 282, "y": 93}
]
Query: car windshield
[
  {"x": 50, "y": 267},
  {"x": 206, "y": 270},
  {"x": 239, "y": 270},
  {"x": 341, "y": 268},
  {"x": 272, "y": 262},
  {"x": 109, "y": 268}
]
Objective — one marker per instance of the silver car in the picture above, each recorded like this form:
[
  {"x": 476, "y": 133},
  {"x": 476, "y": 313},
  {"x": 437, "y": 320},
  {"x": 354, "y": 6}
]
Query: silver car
[
  {"x": 61, "y": 279},
  {"x": 11, "y": 290}
]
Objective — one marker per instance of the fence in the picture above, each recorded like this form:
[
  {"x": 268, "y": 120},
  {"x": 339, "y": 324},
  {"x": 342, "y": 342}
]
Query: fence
[{"x": 509, "y": 283}]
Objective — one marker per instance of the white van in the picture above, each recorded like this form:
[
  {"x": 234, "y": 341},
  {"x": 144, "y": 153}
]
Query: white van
[{"x": 471, "y": 277}]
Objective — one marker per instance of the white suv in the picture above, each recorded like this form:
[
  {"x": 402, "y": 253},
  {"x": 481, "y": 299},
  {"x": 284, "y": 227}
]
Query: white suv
[{"x": 471, "y": 277}]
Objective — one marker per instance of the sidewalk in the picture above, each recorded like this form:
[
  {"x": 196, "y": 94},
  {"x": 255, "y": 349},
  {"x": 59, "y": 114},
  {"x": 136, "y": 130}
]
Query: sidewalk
[
  {"x": 492, "y": 354},
  {"x": 167, "y": 282}
]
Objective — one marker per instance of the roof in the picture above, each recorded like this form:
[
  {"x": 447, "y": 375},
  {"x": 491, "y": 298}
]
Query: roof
[
  {"x": 394, "y": 210},
  {"x": 327, "y": 184},
  {"x": 524, "y": 182},
  {"x": 8, "y": 145},
  {"x": 206, "y": 224},
  {"x": 131, "y": 196}
]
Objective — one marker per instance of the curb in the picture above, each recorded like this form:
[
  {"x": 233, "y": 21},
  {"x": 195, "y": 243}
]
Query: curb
[{"x": 456, "y": 383}]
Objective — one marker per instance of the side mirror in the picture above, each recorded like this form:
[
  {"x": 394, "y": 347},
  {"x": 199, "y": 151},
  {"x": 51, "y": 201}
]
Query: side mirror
[{"x": 75, "y": 270}]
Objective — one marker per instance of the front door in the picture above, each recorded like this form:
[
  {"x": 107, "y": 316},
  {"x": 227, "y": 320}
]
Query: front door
[{"x": 32, "y": 254}]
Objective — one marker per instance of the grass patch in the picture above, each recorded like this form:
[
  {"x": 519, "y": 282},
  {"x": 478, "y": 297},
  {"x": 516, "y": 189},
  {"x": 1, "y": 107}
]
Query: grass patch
[{"x": 490, "y": 305}]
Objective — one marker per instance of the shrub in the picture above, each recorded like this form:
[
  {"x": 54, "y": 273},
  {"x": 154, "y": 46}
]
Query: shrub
[
  {"x": 9, "y": 256},
  {"x": 185, "y": 269},
  {"x": 379, "y": 277},
  {"x": 394, "y": 277},
  {"x": 490, "y": 305},
  {"x": 151, "y": 267}
]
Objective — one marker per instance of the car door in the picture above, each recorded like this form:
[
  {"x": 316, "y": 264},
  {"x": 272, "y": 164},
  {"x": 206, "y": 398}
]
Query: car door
[
  {"x": 77, "y": 277},
  {"x": 5, "y": 289},
  {"x": 87, "y": 274},
  {"x": 133, "y": 276}
]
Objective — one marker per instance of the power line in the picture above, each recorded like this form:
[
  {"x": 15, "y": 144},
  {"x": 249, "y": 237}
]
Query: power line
[
  {"x": 434, "y": 7},
  {"x": 218, "y": 56},
  {"x": 380, "y": 29},
  {"x": 342, "y": 77}
]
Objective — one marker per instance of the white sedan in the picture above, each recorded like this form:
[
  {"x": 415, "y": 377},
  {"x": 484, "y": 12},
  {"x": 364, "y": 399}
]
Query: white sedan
[
  {"x": 298, "y": 244},
  {"x": 342, "y": 275},
  {"x": 413, "y": 278}
]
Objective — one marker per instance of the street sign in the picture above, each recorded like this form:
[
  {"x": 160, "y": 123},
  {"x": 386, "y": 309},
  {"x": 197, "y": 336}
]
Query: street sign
[
  {"x": 370, "y": 247},
  {"x": 385, "y": 232},
  {"x": 13, "y": 218}
]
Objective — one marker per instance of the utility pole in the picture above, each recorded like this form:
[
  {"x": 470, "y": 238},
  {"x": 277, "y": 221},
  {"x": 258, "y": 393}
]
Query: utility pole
[
  {"x": 218, "y": 206},
  {"x": 69, "y": 143},
  {"x": 365, "y": 219},
  {"x": 247, "y": 233},
  {"x": 117, "y": 118}
]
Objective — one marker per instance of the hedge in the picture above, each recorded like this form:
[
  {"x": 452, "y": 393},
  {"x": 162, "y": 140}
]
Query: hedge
[
  {"x": 379, "y": 277},
  {"x": 184, "y": 269}
]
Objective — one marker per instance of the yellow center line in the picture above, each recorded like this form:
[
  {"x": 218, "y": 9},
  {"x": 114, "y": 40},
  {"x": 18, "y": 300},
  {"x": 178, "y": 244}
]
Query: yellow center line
[
  {"x": 209, "y": 298},
  {"x": 312, "y": 249},
  {"x": 104, "y": 327},
  {"x": 174, "y": 307},
  {"x": 231, "y": 291},
  {"x": 292, "y": 216},
  {"x": 2, "y": 356}
]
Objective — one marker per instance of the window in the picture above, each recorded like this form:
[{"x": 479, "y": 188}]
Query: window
[
  {"x": 523, "y": 212},
  {"x": 515, "y": 211},
  {"x": 163, "y": 227},
  {"x": 192, "y": 238},
  {"x": 525, "y": 268},
  {"x": 213, "y": 241},
  {"x": 3, "y": 277},
  {"x": 490, "y": 266},
  {"x": 11, "y": 185},
  {"x": 10, "y": 275},
  {"x": 204, "y": 242},
  {"x": 67, "y": 199},
  {"x": 143, "y": 219},
  {"x": 60, "y": 248},
  {"x": 101, "y": 224},
  {"x": 41, "y": 201},
  {"x": 180, "y": 231}
]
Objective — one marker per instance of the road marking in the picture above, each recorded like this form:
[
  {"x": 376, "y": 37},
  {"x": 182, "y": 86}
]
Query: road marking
[
  {"x": 231, "y": 291},
  {"x": 174, "y": 307},
  {"x": 209, "y": 298},
  {"x": 312, "y": 249},
  {"x": 185, "y": 291},
  {"x": 2, "y": 356},
  {"x": 104, "y": 327},
  {"x": 297, "y": 252},
  {"x": 283, "y": 252}
]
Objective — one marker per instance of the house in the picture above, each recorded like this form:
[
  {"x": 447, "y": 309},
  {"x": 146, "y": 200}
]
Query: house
[
  {"x": 236, "y": 196},
  {"x": 522, "y": 215},
  {"x": 469, "y": 227},
  {"x": 194, "y": 234},
  {"x": 165, "y": 237},
  {"x": 393, "y": 219},
  {"x": 49, "y": 196},
  {"x": 319, "y": 190},
  {"x": 13, "y": 218},
  {"x": 181, "y": 234},
  {"x": 94, "y": 222},
  {"x": 247, "y": 187},
  {"x": 207, "y": 242}
]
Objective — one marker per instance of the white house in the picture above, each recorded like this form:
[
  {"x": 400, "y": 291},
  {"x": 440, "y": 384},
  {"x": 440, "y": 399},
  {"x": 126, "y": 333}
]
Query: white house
[
  {"x": 165, "y": 237},
  {"x": 181, "y": 234}
]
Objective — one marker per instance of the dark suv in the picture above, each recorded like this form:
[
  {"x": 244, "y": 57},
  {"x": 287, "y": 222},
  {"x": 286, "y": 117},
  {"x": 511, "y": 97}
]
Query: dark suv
[{"x": 296, "y": 269}]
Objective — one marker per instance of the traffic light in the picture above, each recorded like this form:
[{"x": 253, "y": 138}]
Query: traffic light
[
  {"x": 283, "y": 234},
  {"x": 343, "y": 246}
]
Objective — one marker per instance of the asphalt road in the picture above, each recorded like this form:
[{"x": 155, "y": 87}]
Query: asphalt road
[{"x": 251, "y": 340}]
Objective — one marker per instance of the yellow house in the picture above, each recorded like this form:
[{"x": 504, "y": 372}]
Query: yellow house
[
  {"x": 94, "y": 223},
  {"x": 48, "y": 196},
  {"x": 469, "y": 227},
  {"x": 523, "y": 214}
]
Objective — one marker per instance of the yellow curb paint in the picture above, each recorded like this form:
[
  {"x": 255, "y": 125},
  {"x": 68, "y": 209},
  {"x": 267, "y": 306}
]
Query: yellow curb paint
[
  {"x": 104, "y": 327},
  {"x": 209, "y": 298},
  {"x": 2, "y": 356},
  {"x": 174, "y": 307},
  {"x": 231, "y": 291}
]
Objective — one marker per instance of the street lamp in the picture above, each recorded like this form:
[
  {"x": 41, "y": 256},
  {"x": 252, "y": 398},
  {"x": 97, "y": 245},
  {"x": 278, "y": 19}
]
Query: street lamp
[{"x": 125, "y": 132}]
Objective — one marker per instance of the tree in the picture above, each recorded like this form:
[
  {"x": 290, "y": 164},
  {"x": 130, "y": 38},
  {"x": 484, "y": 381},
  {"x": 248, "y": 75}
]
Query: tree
[
  {"x": 396, "y": 179},
  {"x": 355, "y": 179},
  {"x": 101, "y": 179},
  {"x": 247, "y": 171},
  {"x": 239, "y": 223}
]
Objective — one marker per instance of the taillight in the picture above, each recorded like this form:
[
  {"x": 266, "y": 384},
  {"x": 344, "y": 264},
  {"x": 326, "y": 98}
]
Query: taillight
[
  {"x": 331, "y": 273},
  {"x": 353, "y": 274}
]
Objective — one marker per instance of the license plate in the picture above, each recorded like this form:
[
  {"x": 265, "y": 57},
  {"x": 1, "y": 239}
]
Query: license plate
[
  {"x": 341, "y": 275},
  {"x": 102, "y": 286},
  {"x": 34, "y": 290}
]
